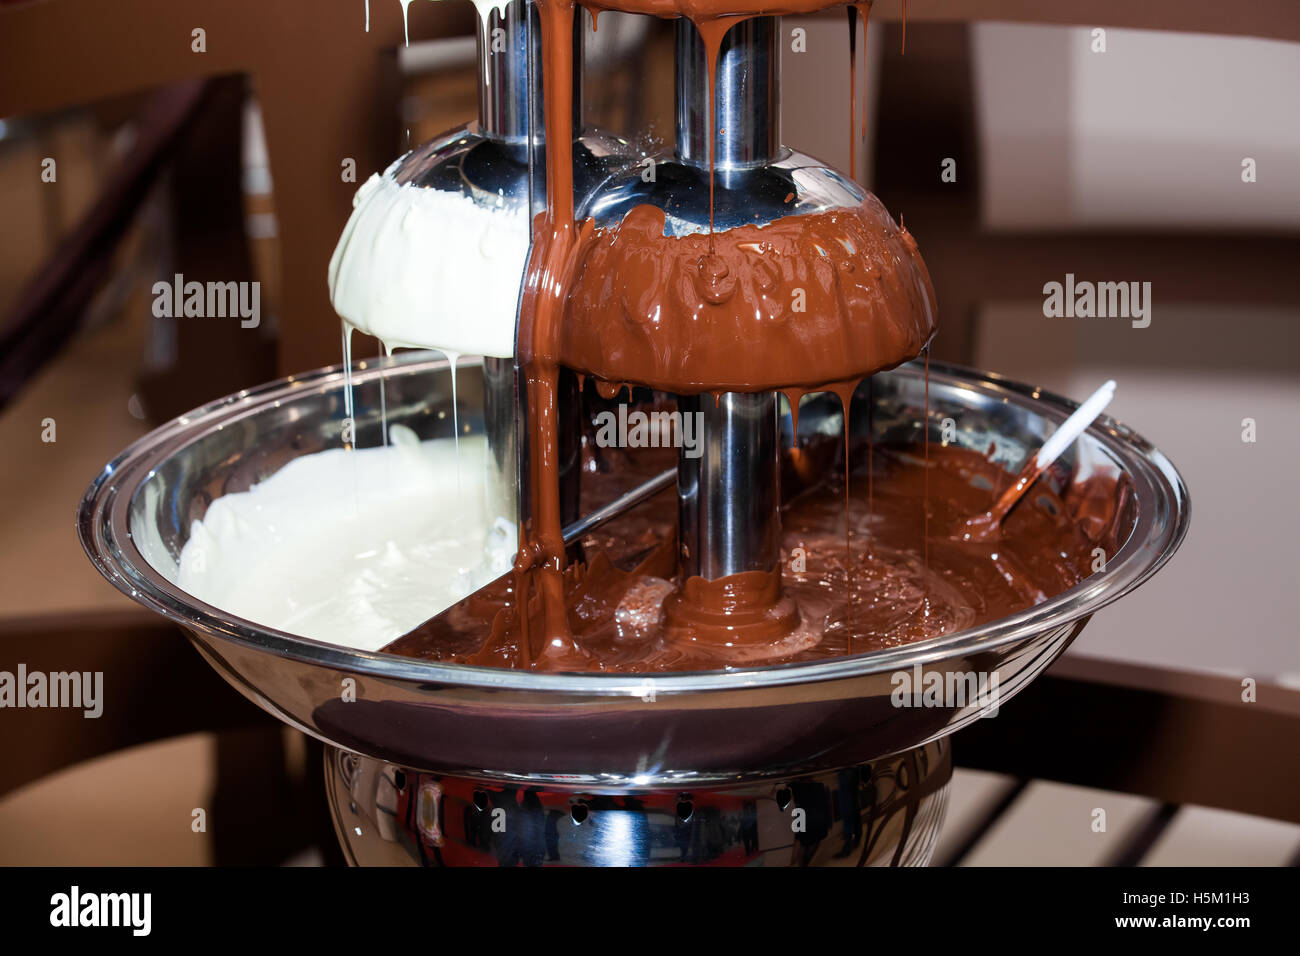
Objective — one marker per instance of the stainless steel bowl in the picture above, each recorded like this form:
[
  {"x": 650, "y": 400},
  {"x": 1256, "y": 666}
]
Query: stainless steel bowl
[{"x": 599, "y": 733}]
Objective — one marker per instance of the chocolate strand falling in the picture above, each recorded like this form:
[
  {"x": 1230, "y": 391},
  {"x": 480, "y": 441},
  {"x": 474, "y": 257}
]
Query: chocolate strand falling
[
  {"x": 712, "y": 30},
  {"x": 845, "y": 390},
  {"x": 853, "y": 89},
  {"x": 541, "y": 556},
  {"x": 712, "y": 37},
  {"x": 846, "y": 402},
  {"x": 855, "y": 10},
  {"x": 711, "y": 54},
  {"x": 864, "y": 9},
  {"x": 925, "y": 491},
  {"x": 871, "y": 444}
]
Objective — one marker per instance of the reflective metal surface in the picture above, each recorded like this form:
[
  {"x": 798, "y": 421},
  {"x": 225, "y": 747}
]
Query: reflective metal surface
[
  {"x": 500, "y": 408},
  {"x": 729, "y": 494},
  {"x": 793, "y": 185},
  {"x": 757, "y": 180},
  {"x": 589, "y": 731},
  {"x": 886, "y": 813},
  {"x": 509, "y": 101},
  {"x": 747, "y": 101},
  {"x": 495, "y": 173}
]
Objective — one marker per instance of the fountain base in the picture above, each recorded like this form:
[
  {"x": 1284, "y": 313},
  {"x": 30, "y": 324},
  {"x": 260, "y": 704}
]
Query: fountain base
[{"x": 884, "y": 813}]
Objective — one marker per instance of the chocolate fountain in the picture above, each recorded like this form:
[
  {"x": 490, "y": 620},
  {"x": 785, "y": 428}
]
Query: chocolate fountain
[{"x": 800, "y": 762}]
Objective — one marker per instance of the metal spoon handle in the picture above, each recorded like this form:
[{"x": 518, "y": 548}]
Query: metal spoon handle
[{"x": 590, "y": 522}]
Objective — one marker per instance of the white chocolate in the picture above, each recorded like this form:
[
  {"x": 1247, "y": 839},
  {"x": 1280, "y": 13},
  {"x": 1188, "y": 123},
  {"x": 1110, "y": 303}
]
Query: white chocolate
[
  {"x": 423, "y": 268},
  {"x": 353, "y": 548}
]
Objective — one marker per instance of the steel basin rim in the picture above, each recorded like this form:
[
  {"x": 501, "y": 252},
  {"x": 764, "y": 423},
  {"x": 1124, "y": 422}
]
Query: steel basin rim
[{"x": 103, "y": 527}]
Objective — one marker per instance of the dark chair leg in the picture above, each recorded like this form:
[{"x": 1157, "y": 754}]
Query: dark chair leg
[{"x": 257, "y": 815}]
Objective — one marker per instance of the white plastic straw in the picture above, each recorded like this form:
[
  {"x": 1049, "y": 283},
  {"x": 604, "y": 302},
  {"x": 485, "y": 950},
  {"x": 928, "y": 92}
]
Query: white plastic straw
[
  {"x": 1075, "y": 425},
  {"x": 983, "y": 526}
]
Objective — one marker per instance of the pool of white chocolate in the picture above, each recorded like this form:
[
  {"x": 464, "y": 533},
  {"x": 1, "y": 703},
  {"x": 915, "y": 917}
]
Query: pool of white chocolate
[{"x": 352, "y": 547}]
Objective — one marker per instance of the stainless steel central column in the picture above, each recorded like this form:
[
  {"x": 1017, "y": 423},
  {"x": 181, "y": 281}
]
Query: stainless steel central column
[
  {"x": 507, "y": 44},
  {"x": 729, "y": 497},
  {"x": 509, "y": 104},
  {"x": 747, "y": 102},
  {"x": 506, "y": 101}
]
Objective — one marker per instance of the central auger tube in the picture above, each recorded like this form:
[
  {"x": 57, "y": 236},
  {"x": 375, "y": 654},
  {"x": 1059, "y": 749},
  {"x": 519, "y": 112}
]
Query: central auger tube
[{"x": 729, "y": 495}]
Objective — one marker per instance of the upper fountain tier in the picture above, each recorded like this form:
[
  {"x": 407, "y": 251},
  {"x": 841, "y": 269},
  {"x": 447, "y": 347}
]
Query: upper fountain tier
[
  {"x": 735, "y": 264},
  {"x": 802, "y": 301}
]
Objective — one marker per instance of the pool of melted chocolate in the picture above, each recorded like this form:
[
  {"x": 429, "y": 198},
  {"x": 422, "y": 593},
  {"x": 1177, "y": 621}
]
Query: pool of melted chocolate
[
  {"x": 887, "y": 582},
  {"x": 883, "y": 555}
]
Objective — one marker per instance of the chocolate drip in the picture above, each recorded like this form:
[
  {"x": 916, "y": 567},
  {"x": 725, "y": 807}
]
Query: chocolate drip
[
  {"x": 855, "y": 10},
  {"x": 925, "y": 493},
  {"x": 541, "y": 557}
]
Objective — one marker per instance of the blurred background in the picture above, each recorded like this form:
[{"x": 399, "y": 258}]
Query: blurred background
[{"x": 126, "y": 157}]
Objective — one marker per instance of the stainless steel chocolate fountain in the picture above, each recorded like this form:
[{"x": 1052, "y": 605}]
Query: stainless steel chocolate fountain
[{"x": 795, "y": 764}]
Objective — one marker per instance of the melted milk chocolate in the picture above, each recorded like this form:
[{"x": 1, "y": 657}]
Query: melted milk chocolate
[
  {"x": 718, "y": 313},
  {"x": 625, "y": 613},
  {"x": 802, "y": 301}
]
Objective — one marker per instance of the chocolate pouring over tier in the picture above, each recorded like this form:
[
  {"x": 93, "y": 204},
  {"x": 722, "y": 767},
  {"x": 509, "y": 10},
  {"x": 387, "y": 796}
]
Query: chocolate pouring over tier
[
  {"x": 804, "y": 301},
  {"x": 791, "y": 301}
]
